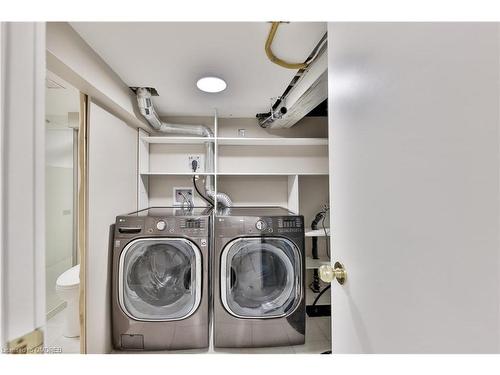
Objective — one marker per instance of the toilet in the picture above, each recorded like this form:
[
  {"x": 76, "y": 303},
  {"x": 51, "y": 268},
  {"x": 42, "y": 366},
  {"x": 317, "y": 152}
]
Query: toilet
[{"x": 68, "y": 288}]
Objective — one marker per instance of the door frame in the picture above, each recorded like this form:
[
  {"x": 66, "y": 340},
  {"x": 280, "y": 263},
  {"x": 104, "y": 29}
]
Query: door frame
[
  {"x": 22, "y": 184},
  {"x": 82, "y": 212}
]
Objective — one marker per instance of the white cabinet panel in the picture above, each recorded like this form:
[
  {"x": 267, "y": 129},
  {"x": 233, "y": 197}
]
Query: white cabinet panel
[{"x": 112, "y": 189}]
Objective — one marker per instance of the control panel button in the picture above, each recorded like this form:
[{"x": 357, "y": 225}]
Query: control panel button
[
  {"x": 161, "y": 225},
  {"x": 261, "y": 225}
]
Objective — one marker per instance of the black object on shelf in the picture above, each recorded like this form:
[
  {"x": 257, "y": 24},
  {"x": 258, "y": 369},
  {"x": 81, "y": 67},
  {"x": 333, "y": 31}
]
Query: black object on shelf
[
  {"x": 315, "y": 285},
  {"x": 319, "y": 310}
]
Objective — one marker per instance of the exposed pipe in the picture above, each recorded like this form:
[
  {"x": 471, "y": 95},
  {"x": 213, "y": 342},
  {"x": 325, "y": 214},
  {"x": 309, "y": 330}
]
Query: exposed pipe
[
  {"x": 307, "y": 89},
  {"x": 147, "y": 110},
  {"x": 271, "y": 116},
  {"x": 270, "y": 54},
  {"x": 300, "y": 66}
]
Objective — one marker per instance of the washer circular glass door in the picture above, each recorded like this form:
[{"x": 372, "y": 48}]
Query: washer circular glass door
[
  {"x": 261, "y": 277},
  {"x": 160, "y": 279}
]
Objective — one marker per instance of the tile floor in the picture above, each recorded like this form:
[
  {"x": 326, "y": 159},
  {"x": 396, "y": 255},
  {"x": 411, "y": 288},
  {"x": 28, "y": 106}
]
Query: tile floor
[{"x": 55, "y": 342}]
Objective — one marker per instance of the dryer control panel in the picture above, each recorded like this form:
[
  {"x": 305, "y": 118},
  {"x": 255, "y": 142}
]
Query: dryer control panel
[{"x": 233, "y": 225}]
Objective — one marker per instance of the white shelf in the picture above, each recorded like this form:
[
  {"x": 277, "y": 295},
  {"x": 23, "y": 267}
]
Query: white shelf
[
  {"x": 272, "y": 141},
  {"x": 272, "y": 173},
  {"x": 178, "y": 140},
  {"x": 233, "y": 174},
  {"x": 313, "y": 264},
  {"x": 317, "y": 232},
  {"x": 224, "y": 141},
  {"x": 176, "y": 174}
]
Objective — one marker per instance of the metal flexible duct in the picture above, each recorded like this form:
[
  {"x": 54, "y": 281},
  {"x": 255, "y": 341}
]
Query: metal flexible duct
[{"x": 147, "y": 110}]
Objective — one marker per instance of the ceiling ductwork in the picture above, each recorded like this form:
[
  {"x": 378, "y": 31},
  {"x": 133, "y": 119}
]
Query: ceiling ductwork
[
  {"x": 308, "y": 88},
  {"x": 148, "y": 111}
]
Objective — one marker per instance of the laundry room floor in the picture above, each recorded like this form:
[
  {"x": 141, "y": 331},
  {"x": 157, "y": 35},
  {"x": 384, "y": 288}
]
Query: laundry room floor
[{"x": 55, "y": 341}]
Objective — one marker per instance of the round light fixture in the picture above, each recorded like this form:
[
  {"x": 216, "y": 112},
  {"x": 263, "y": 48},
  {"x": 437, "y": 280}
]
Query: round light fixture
[{"x": 211, "y": 84}]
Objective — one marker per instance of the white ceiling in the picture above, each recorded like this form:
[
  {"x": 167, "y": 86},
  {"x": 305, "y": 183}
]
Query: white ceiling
[{"x": 172, "y": 56}]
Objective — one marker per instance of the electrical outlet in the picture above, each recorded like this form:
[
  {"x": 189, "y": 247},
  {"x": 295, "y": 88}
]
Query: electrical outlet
[
  {"x": 194, "y": 159},
  {"x": 183, "y": 197}
]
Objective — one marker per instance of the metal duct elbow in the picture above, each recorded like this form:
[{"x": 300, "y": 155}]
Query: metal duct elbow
[
  {"x": 147, "y": 110},
  {"x": 222, "y": 199}
]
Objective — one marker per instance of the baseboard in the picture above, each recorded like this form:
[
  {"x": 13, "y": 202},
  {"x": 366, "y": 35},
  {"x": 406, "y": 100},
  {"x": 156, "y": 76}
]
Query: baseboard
[{"x": 55, "y": 310}]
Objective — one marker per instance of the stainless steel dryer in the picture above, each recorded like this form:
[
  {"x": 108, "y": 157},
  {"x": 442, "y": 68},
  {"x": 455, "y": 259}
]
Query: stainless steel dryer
[
  {"x": 160, "y": 287},
  {"x": 259, "y": 265}
]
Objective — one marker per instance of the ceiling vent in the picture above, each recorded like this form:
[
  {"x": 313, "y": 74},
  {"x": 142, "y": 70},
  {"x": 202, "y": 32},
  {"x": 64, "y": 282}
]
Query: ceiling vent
[
  {"x": 151, "y": 90},
  {"x": 51, "y": 84}
]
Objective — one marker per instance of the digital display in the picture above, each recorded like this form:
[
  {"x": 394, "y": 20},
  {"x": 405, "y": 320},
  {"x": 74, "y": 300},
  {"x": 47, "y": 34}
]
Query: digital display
[
  {"x": 288, "y": 223},
  {"x": 193, "y": 224}
]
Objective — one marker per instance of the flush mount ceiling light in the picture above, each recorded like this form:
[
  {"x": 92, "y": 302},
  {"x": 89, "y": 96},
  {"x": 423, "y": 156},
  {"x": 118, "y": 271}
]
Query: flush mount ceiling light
[{"x": 211, "y": 84}]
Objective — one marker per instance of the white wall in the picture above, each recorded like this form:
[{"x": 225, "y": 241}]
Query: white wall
[
  {"x": 22, "y": 178},
  {"x": 59, "y": 224},
  {"x": 255, "y": 190},
  {"x": 244, "y": 190},
  {"x": 112, "y": 161},
  {"x": 60, "y": 105},
  {"x": 112, "y": 190},
  {"x": 71, "y": 58},
  {"x": 415, "y": 186},
  {"x": 2, "y": 188}
]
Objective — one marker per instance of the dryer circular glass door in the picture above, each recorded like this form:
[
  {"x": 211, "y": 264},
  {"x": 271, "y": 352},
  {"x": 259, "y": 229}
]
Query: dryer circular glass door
[
  {"x": 160, "y": 279},
  {"x": 261, "y": 277}
]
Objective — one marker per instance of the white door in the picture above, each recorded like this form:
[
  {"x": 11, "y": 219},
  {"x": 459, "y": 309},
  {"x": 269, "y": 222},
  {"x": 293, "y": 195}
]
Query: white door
[
  {"x": 22, "y": 183},
  {"x": 414, "y": 112}
]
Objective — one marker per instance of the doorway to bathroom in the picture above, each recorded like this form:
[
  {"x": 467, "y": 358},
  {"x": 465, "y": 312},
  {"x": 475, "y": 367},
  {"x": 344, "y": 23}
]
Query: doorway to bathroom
[{"x": 62, "y": 119}]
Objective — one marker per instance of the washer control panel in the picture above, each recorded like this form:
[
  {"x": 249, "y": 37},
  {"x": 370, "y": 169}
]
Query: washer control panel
[
  {"x": 292, "y": 224},
  {"x": 130, "y": 226},
  {"x": 261, "y": 225}
]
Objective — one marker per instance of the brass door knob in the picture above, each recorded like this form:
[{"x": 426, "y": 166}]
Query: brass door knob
[{"x": 338, "y": 272}]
